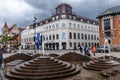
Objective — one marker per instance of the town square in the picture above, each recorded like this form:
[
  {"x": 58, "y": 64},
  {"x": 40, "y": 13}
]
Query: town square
[{"x": 60, "y": 40}]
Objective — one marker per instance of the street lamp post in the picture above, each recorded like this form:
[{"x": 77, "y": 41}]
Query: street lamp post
[{"x": 34, "y": 27}]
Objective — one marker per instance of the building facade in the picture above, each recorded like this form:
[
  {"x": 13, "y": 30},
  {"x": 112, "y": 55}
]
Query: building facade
[
  {"x": 109, "y": 26},
  {"x": 14, "y": 32},
  {"x": 64, "y": 30}
]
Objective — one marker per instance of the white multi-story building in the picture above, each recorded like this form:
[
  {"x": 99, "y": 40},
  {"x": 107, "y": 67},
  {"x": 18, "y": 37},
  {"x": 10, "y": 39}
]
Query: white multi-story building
[{"x": 64, "y": 30}]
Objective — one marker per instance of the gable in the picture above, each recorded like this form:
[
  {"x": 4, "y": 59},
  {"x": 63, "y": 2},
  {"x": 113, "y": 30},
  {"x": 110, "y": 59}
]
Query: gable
[{"x": 106, "y": 12}]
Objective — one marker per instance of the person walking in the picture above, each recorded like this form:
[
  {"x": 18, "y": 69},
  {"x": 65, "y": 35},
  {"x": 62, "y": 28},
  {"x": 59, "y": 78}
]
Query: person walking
[
  {"x": 93, "y": 50},
  {"x": 1, "y": 64}
]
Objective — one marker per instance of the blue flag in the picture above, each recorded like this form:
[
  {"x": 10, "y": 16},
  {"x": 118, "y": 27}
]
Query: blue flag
[{"x": 38, "y": 40}]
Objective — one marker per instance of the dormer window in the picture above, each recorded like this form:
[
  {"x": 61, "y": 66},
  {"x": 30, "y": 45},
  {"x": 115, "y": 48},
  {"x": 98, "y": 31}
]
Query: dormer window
[
  {"x": 63, "y": 16},
  {"x": 47, "y": 21},
  {"x": 56, "y": 17},
  {"x": 63, "y": 11},
  {"x": 53, "y": 18},
  {"x": 74, "y": 18},
  {"x": 88, "y": 21},
  {"x": 70, "y": 17},
  {"x": 81, "y": 20},
  {"x": 41, "y": 23}
]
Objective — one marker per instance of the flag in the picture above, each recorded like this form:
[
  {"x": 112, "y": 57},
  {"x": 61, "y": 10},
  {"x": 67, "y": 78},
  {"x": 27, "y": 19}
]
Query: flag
[{"x": 38, "y": 40}]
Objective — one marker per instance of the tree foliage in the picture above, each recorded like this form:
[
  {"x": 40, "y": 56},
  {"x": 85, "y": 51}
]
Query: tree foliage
[{"x": 5, "y": 39}]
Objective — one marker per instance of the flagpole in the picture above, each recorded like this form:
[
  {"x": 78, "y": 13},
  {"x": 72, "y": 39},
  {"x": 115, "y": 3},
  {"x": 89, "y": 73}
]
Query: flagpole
[{"x": 43, "y": 48}]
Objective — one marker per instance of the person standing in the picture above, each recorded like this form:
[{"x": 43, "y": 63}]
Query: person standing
[
  {"x": 1, "y": 64},
  {"x": 85, "y": 50},
  {"x": 81, "y": 49}
]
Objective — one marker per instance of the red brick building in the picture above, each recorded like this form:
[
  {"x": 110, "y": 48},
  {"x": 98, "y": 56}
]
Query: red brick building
[{"x": 109, "y": 26}]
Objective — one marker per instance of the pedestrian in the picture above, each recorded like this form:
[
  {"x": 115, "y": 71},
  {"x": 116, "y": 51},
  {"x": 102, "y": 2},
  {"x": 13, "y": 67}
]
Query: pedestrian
[
  {"x": 81, "y": 49},
  {"x": 85, "y": 50},
  {"x": 93, "y": 50},
  {"x": 1, "y": 64}
]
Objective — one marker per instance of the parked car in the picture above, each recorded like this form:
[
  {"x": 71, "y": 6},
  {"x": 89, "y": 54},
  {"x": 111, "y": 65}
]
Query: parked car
[{"x": 101, "y": 49}]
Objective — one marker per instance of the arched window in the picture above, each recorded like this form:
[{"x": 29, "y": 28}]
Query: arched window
[
  {"x": 57, "y": 36},
  {"x": 78, "y": 35},
  {"x": 46, "y": 37},
  {"x": 74, "y": 35},
  {"x": 85, "y": 36},
  {"x": 89, "y": 37},
  {"x": 94, "y": 37},
  {"x": 49, "y": 37},
  {"x": 70, "y": 35},
  {"x": 43, "y": 37},
  {"x": 53, "y": 36},
  {"x": 82, "y": 36}
]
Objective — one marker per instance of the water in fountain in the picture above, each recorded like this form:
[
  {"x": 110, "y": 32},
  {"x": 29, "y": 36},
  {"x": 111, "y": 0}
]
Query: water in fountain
[
  {"x": 19, "y": 49},
  {"x": 107, "y": 47}
]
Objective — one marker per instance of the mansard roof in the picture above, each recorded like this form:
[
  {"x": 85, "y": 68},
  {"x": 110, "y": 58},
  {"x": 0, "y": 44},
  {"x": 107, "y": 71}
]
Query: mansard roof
[{"x": 78, "y": 18}]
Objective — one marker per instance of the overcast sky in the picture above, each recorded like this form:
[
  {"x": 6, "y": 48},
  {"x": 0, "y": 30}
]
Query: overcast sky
[{"x": 21, "y": 12}]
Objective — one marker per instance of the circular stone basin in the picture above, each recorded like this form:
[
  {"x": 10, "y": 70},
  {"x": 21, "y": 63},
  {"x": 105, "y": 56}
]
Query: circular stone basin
[
  {"x": 100, "y": 64},
  {"x": 117, "y": 69}
]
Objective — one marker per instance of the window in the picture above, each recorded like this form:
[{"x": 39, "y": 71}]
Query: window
[
  {"x": 81, "y": 26},
  {"x": 53, "y": 36},
  {"x": 57, "y": 17},
  {"x": 63, "y": 16},
  {"x": 70, "y": 44},
  {"x": 50, "y": 27},
  {"x": 49, "y": 37},
  {"x": 70, "y": 17},
  {"x": 47, "y": 21},
  {"x": 74, "y": 35},
  {"x": 57, "y": 25},
  {"x": 78, "y": 35},
  {"x": 70, "y": 24},
  {"x": 74, "y": 25},
  {"x": 74, "y": 17},
  {"x": 57, "y": 36},
  {"x": 94, "y": 37},
  {"x": 89, "y": 37},
  {"x": 78, "y": 26},
  {"x": 46, "y": 37},
  {"x": 63, "y": 24},
  {"x": 53, "y": 18},
  {"x": 53, "y": 26},
  {"x": 82, "y": 36},
  {"x": 63, "y": 35},
  {"x": 63, "y": 11},
  {"x": 70, "y": 35},
  {"x": 85, "y": 36},
  {"x": 107, "y": 24},
  {"x": 46, "y": 27}
]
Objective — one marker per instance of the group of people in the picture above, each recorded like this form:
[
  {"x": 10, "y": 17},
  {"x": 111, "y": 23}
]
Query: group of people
[{"x": 86, "y": 51}]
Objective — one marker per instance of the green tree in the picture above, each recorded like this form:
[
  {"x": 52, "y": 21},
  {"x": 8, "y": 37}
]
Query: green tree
[{"x": 5, "y": 39}]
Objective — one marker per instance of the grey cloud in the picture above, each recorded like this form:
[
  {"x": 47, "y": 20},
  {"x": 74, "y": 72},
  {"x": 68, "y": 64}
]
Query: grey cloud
[{"x": 45, "y": 8}]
